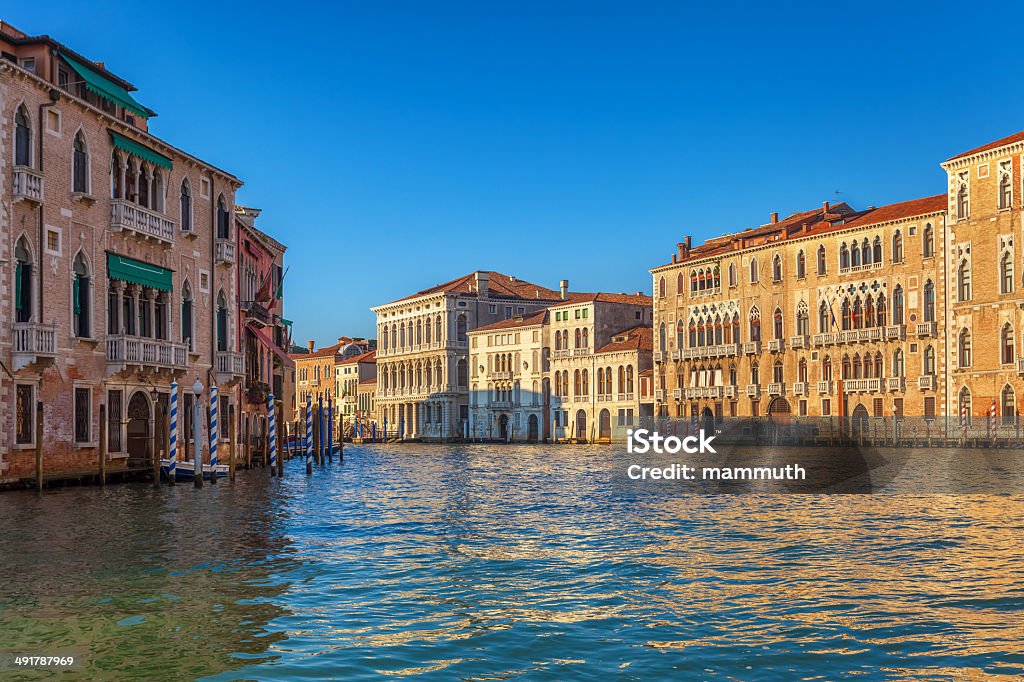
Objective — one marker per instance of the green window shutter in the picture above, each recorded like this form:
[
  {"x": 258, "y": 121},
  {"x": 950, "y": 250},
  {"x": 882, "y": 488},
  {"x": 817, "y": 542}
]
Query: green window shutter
[
  {"x": 17, "y": 286},
  {"x": 78, "y": 294}
]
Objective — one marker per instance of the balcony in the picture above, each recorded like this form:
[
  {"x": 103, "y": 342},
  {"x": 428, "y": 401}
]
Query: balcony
[
  {"x": 731, "y": 390},
  {"x": 501, "y": 404},
  {"x": 800, "y": 388},
  {"x": 753, "y": 390},
  {"x": 1020, "y": 365},
  {"x": 659, "y": 394},
  {"x": 723, "y": 350},
  {"x": 896, "y": 384},
  {"x": 230, "y": 366},
  {"x": 926, "y": 382},
  {"x": 499, "y": 376},
  {"x": 561, "y": 353},
  {"x": 256, "y": 312},
  {"x": 703, "y": 293},
  {"x": 776, "y": 346},
  {"x": 896, "y": 332},
  {"x": 849, "y": 270},
  {"x": 225, "y": 252},
  {"x": 33, "y": 342},
  {"x": 927, "y": 328},
  {"x": 752, "y": 348},
  {"x": 863, "y": 385},
  {"x": 825, "y": 388},
  {"x": 826, "y": 339},
  {"x": 796, "y": 342},
  {"x": 28, "y": 185},
  {"x": 124, "y": 352},
  {"x": 776, "y": 389},
  {"x": 126, "y": 216},
  {"x": 677, "y": 393},
  {"x": 678, "y": 354},
  {"x": 581, "y": 351}
]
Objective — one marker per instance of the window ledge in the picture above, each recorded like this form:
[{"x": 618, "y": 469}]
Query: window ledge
[
  {"x": 83, "y": 197},
  {"x": 117, "y": 455},
  {"x": 86, "y": 446},
  {"x": 191, "y": 234},
  {"x": 86, "y": 339}
]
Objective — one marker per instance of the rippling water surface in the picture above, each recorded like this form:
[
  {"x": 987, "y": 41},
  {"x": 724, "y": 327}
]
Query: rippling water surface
[{"x": 491, "y": 562}]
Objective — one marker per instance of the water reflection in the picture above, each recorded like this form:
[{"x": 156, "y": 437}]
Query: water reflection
[{"x": 492, "y": 562}]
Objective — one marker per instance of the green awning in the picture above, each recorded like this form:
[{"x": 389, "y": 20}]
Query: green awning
[
  {"x": 283, "y": 321},
  {"x": 137, "y": 272},
  {"x": 104, "y": 87},
  {"x": 136, "y": 149}
]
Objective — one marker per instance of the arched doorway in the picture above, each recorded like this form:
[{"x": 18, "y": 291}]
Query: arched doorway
[
  {"x": 707, "y": 420},
  {"x": 139, "y": 419},
  {"x": 779, "y": 410},
  {"x": 581, "y": 425},
  {"x": 503, "y": 427},
  {"x": 605, "y": 425},
  {"x": 859, "y": 422},
  {"x": 532, "y": 428}
]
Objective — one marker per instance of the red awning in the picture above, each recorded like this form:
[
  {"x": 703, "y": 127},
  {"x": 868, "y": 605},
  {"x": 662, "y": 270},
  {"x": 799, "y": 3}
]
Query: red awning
[{"x": 269, "y": 343}]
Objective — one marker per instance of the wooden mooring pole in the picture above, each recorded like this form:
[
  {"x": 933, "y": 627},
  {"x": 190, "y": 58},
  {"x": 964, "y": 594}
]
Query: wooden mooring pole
[
  {"x": 103, "y": 444},
  {"x": 39, "y": 446}
]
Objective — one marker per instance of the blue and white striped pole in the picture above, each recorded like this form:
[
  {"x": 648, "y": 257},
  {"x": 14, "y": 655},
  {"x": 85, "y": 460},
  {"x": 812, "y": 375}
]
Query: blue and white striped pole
[
  {"x": 309, "y": 438},
  {"x": 213, "y": 433},
  {"x": 172, "y": 462},
  {"x": 273, "y": 434}
]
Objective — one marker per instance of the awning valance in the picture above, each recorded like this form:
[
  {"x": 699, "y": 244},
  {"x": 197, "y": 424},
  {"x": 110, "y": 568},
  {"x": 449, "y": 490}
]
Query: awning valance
[
  {"x": 104, "y": 87},
  {"x": 136, "y": 149},
  {"x": 137, "y": 272}
]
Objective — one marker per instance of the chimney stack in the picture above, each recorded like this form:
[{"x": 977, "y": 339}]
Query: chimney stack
[
  {"x": 775, "y": 217},
  {"x": 311, "y": 345},
  {"x": 483, "y": 282},
  {"x": 563, "y": 285},
  {"x": 824, "y": 207}
]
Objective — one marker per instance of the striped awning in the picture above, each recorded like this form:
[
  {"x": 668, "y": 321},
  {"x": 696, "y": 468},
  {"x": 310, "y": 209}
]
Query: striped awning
[{"x": 135, "y": 271}]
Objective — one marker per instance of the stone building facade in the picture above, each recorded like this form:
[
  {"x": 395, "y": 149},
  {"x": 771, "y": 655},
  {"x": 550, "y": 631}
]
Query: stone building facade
[
  {"x": 117, "y": 254},
  {"x": 349, "y": 374},
  {"x": 830, "y": 312},
  {"x": 423, "y": 350},
  {"x": 598, "y": 350},
  {"x": 315, "y": 375}
]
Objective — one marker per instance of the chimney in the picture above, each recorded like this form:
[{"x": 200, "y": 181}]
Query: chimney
[
  {"x": 775, "y": 217},
  {"x": 824, "y": 207},
  {"x": 563, "y": 285},
  {"x": 483, "y": 282},
  {"x": 312, "y": 345}
]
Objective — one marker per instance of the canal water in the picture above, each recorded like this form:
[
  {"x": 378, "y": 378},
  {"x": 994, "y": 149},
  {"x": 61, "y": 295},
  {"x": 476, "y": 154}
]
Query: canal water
[{"x": 506, "y": 562}]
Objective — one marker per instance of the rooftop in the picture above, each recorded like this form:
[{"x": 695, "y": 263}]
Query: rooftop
[
  {"x": 1002, "y": 142},
  {"x": 530, "y": 320},
  {"x": 499, "y": 286},
  {"x": 633, "y": 339}
]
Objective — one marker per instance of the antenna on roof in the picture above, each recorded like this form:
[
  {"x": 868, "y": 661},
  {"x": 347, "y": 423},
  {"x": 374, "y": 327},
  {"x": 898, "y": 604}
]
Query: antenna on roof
[{"x": 837, "y": 193}]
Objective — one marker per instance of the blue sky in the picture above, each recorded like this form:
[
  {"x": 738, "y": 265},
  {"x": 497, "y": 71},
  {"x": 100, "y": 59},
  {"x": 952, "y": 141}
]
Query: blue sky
[{"x": 396, "y": 145}]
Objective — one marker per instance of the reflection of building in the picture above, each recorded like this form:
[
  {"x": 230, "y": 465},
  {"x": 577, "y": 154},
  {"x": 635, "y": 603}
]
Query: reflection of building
[
  {"x": 423, "y": 355},
  {"x": 349, "y": 373},
  {"x": 599, "y": 346},
  {"x": 828, "y": 312},
  {"x": 118, "y": 263},
  {"x": 263, "y": 332},
  {"x": 509, "y": 394}
]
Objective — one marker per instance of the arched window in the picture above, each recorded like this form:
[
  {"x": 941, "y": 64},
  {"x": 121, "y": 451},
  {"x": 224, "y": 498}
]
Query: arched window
[
  {"x": 826, "y": 368},
  {"x": 824, "y": 318},
  {"x": 700, "y": 333},
  {"x": 869, "y": 312},
  {"x": 880, "y": 311},
  {"x": 801, "y": 370},
  {"x": 778, "y": 373},
  {"x": 1007, "y": 345},
  {"x": 81, "y": 298},
  {"x": 578, "y": 337},
  {"x": 858, "y": 313},
  {"x": 661, "y": 288},
  {"x": 847, "y": 371},
  {"x": 185, "y": 205},
  {"x": 1005, "y": 188},
  {"x": 963, "y": 281},
  {"x": 854, "y": 255},
  {"x": 680, "y": 283},
  {"x": 419, "y": 332},
  {"x": 222, "y": 322},
  {"x": 801, "y": 265},
  {"x": 1006, "y": 273},
  {"x": 23, "y": 279},
  {"x": 964, "y": 348},
  {"x": 156, "y": 199},
  {"x": 577, "y": 384},
  {"x": 719, "y": 338},
  {"x": 401, "y": 335},
  {"x": 929, "y": 361},
  {"x": 897, "y": 305},
  {"x": 116, "y": 188},
  {"x": 879, "y": 364},
  {"x": 661, "y": 337},
  {"x": 753, "y": 270},
  {"x": 777, "y": 323},
  {"x": 680, "y": 333},
  {"x": 964, "y": 410},
  {"x": 755, "y": 372},
  {"x": 732, "y": 274},
  {"x": 847, "y": 317},
  {"x": 384, "y": 338},
  {"x": 928, "y": 241},
  {"x": 608, "y": 380},
  {"x": 844, "y": 256},
  {"x": 822, "y": 263},
  {"x": 80, "y": 165},
  {"x": 223, "y": 219},
  {"x": 186, "y": 317},
  {"x": 22, "y": 138},
  {"x": 460, "y": 328},
  {"x": 803, "y": 319},
  {"x": 142, "y": 185},
  {"x": 876, "y": 250},
  {"x": 586, "y": 338},
  {"x": 1008, "y": 405},
  {"x": 735, "y": 328},
  {"x": 962, "y": 202},
  {"x": 629, "y": 378},
  {"x": 898, "y": 367},
  {"x": 755, "y": 324},
  {"x": 777, "y": 268},
  {"x": 437, "y": 330},
  {"x": 426, "y": 331},
  {"x": 929, "y": 301},
  {"x": 586, "y": 382}
]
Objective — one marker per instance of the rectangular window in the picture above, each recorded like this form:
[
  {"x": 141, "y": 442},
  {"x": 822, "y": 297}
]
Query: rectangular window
[
  {"x": 878, "y": 408},
  {"x": 897, "y": 407},
  {"x": 754, "y": 407},
  {"x": 53, "y": 241},
  {"x": 114, "y": 421},
  {"x": 586, "y": 312},
  {"x": 492, "y": 309},
  {"x": 929, "y": 408},
  {"x": 25, "y": 410},
  {"x": 732, "y": 408},
  {"x": 803, "y": 408},
  {"x": 826, "y": 407},
  {"x": 83, "y": 415},
  {"x": 508, "y": 311},
  {"x": 577, "y": 314},
  {"x": 62, "y": 79},
  {"x": 29, "y": 64}
]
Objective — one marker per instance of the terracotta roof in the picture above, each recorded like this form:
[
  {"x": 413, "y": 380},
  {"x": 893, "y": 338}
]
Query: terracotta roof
[
  {"x": 1009, "y": 139},
  {"x": 637, "y": 338},
  {"x": 899, "y": 211},
  {"x": 632, "y": 299},
  {"x": 368, "y": 356},
  {"x": 323, "y": 352},
  {"x": 649, "y": 372},
  {"x": 368, "y": 382},
  {"x": 500, "y": 286},
  {"x": 530, "y": 320}
]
